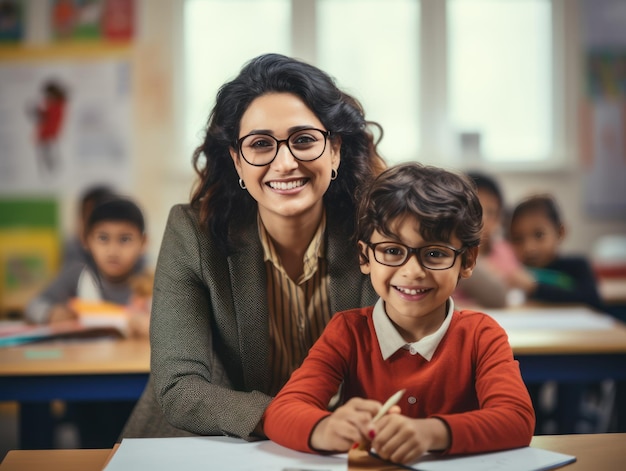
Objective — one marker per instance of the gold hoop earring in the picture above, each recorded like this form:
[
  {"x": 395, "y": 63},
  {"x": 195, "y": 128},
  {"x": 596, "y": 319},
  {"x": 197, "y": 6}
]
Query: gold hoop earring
[
  {"x": 333, "y": 174},
  {"x": 242, "y": 184}
]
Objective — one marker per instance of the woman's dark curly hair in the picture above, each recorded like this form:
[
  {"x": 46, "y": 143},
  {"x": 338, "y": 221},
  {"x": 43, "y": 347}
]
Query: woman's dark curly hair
[
  {"x": 444, "y": 203},
  {"x": 222, "y": 204}
]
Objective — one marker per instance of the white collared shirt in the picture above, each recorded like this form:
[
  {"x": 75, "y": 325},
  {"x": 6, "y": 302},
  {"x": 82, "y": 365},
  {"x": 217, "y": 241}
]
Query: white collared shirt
[{"x": 390, "y": 340}]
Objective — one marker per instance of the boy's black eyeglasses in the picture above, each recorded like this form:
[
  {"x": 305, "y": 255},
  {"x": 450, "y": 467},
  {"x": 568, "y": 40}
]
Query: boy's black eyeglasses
[
  {"x": 432, "y": 257},
  {"x": 304, "y": 144}
]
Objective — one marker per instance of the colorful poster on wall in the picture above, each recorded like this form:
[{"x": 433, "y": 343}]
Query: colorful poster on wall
[
  {"x": 108, "y": 20},
  {"x": 64, "y": 124}
]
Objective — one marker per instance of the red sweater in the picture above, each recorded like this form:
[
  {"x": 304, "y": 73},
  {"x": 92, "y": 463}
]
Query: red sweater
[{"x": 472, "y": 383}]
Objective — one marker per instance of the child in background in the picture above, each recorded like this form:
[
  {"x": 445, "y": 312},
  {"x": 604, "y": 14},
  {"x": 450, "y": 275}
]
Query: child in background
[
  {"x": 536, "y": 234},
  {"x": 499, "y": 279},
  {"x": 115, "y": 239},
  {"x": 418, "y": 231},
  {"x": 74, "y": 250}
]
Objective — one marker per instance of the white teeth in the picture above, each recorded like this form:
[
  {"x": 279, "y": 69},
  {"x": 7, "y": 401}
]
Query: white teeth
[
  {"x": 412, "y": 292},
  {"x": 287, "y": 185}
]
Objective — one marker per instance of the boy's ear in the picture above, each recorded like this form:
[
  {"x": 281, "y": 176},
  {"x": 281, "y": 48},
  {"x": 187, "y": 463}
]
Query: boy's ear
[
  {"x": 364, "y": 260},
  {"x": 469, "y": 262}
]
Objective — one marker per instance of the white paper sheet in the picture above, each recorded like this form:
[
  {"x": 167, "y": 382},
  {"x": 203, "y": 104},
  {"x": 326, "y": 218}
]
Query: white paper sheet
[
  {"x": 519, "y": 459},
  {"x": 219, "y": 453}
]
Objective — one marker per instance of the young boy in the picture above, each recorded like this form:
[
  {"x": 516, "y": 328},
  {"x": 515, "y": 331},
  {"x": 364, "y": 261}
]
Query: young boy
[
  {"x": 74, "y": 250},
  {"x": 418, "y": 231},
  {"x": 115, "y": 238}
]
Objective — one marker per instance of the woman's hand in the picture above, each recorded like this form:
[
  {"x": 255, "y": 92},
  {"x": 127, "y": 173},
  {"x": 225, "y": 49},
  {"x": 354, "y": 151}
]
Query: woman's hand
[
  {"x": 349, "y": 424},
  {"x": 400, "y": 439}
]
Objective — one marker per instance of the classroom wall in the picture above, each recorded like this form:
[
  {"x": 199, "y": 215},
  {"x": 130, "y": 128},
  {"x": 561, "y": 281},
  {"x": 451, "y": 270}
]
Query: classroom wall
[{"x": 160, "y": 183}]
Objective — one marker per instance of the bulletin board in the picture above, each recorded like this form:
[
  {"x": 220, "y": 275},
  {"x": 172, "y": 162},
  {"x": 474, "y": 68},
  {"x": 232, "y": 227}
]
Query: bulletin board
[
  {"x": 65, "y": 120},
  {"x": 603, "y": 116}
]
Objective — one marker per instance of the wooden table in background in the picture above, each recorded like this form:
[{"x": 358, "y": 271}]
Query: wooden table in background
[
  {"x": 55, "y": 460},
  {"x": 559, "y": 349},
  {"x": 85, "y": 370}
]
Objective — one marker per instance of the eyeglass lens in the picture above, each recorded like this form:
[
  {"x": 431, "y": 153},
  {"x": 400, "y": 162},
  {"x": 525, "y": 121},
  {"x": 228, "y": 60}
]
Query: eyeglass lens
[
  {"x": 434, "y": 257},
  {"x": 304, "y": 144}
]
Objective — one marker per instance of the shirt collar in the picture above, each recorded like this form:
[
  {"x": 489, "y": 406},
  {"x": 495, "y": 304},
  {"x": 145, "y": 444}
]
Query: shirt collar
[
  {"x": 314, "y": 251},
  {"x": 390, "y": 340}
]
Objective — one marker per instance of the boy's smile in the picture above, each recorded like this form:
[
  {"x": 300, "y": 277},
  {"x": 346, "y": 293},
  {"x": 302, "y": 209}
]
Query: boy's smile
[{"x": 415, "y": 297}]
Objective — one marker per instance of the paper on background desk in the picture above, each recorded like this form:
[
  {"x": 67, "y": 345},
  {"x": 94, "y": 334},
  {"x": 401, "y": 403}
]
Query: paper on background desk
[
  {"x": 219, "y": 453},
  {"x": 552, "y": 318}
]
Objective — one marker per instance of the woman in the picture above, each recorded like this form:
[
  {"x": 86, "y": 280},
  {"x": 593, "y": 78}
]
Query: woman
[{"x": 251, "y": 271}]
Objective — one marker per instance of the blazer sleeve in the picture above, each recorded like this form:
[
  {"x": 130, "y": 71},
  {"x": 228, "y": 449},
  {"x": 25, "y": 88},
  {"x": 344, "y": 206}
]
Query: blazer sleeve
[{"x": 192, "y": 385}]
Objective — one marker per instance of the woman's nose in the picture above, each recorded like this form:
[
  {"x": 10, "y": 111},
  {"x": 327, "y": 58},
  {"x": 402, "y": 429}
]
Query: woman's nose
[{"x": 284, "y": 158}]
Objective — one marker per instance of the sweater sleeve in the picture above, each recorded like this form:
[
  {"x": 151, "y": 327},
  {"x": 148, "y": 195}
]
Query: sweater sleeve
[
  {"x": 505, "y": 417},
  {"x": 303, "y": 402}
]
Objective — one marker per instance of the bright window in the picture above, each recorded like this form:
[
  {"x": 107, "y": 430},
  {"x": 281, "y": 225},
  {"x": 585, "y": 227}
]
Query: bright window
[
  {"x": 372, "y": 48},
  {"x": 454, "y": 82},
  {"x": 500, "y": 78},
  {"x": 219, "y": 37}
]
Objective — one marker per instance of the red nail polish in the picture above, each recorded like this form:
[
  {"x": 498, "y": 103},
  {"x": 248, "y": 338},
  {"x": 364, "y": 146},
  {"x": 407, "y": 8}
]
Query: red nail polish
[
  {"x": 371, "y": 434},
  {"x": 355, "y": 446}
]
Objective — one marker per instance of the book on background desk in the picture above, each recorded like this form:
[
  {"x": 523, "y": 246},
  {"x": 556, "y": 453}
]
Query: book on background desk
[
  {"x": 96, "y": 319},
  {"x": 518, "y": 459}
]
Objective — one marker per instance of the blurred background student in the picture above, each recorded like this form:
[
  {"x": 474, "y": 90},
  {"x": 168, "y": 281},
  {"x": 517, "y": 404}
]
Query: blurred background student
[
  {"x": 499, "y": 279},
  {"x": 537, "y": 231},
  {"x": 74, "y": 250},
  {"x": 116, "y": 241}
]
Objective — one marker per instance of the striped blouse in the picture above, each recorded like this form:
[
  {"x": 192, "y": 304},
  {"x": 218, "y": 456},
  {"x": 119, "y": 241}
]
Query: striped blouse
[{"x": 299, "y": 310}]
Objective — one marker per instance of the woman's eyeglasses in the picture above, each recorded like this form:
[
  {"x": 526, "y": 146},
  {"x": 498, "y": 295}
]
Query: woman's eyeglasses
[{"x": 304, "y": 144}]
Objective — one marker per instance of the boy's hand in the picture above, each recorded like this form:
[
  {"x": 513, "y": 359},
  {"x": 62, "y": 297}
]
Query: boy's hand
[
  {"x": 60, "y": 313},
  {"x": 346, "y": 426},
  {"x": 401, "y": 439}
]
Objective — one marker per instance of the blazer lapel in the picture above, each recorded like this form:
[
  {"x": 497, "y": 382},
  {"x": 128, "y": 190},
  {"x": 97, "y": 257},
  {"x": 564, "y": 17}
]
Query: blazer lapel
[
  {"x": 248, "y": 284},
  {"x": 344, "y": 274}
]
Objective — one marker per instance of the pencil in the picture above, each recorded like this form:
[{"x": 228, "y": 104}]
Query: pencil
[{"x": 392, "y": 401}]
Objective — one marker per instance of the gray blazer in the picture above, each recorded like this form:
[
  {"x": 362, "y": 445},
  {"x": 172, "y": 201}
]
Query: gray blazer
[{"x": 210, "y": 371}]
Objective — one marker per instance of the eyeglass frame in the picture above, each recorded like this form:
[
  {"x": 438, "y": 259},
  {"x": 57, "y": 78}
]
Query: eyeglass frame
[
  {"x": 326, "y": 135},
  {"x": 416, "y": 251}
]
